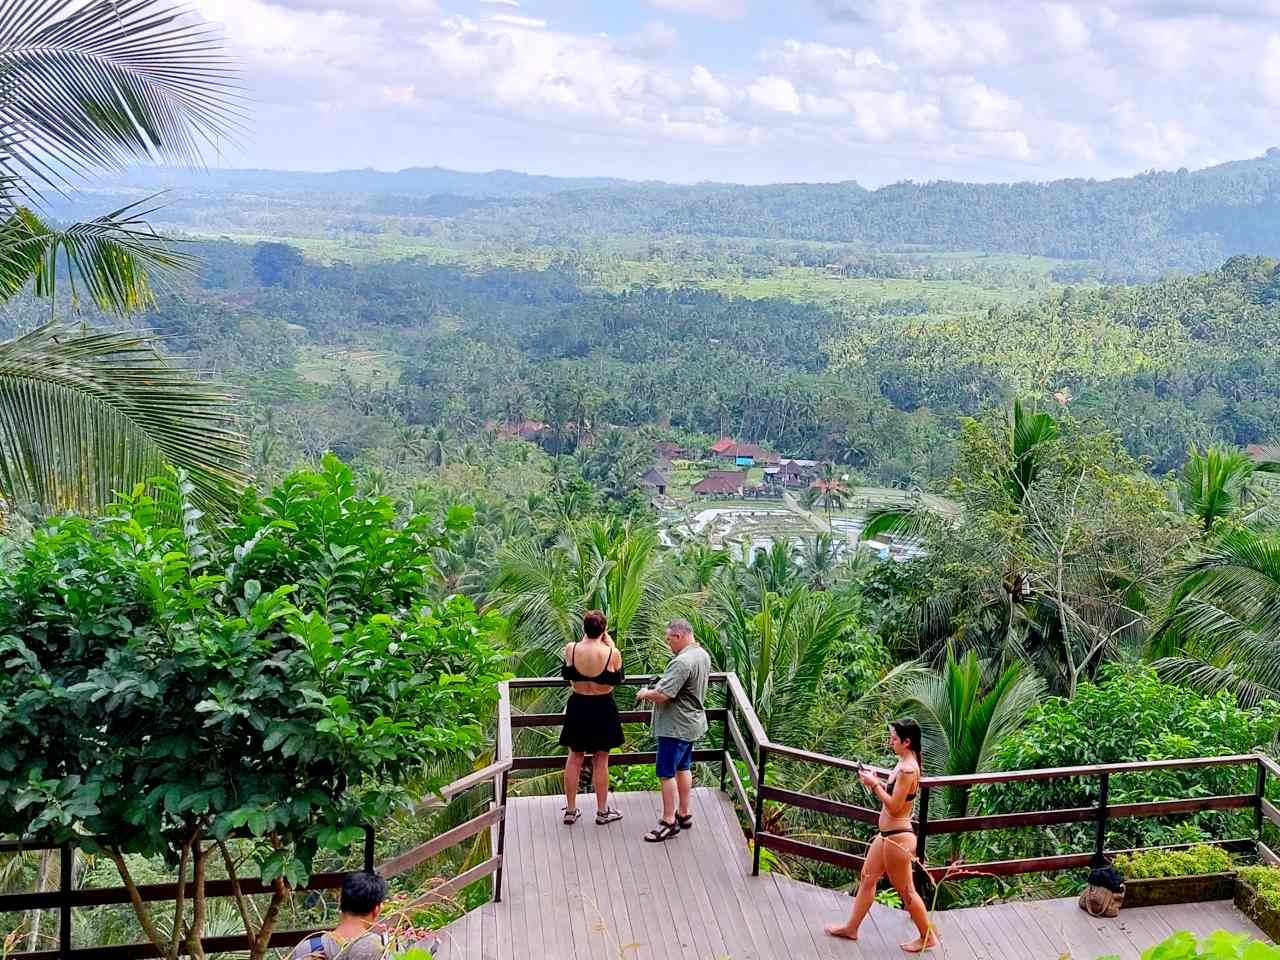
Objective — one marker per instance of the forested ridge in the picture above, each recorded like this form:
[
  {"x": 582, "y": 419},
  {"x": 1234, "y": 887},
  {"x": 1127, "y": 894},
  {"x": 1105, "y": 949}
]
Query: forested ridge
[{"x": 1128, "y": 228}]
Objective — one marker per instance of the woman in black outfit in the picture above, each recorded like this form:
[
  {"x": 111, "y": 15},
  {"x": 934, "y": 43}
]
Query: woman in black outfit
[{"x": 593, "y": 667}]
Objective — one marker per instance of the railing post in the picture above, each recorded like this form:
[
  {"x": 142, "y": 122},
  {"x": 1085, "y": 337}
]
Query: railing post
[
  {"x": 1259, "y": 796},
  {"x": 1100, "y": 844},
  {"x": 368, "y": 848},
  {"x": 724, "y": 746},
  {"x": 759, "y": 827},
  {"x": 500, "y": 793},
  {"x": 922, "y": 833},
  {"x": 64, "y": 902}
]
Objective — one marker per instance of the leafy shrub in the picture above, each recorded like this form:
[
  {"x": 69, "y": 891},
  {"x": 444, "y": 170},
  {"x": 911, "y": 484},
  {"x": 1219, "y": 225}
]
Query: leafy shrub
[
  {"x": 165, "y": 686},
  {"x": 1128, "y": 715},
  {"x": 1202, "y": 858},
  {"x": 1265, "y": 882},
  {"x": 1219, "y": 945}
]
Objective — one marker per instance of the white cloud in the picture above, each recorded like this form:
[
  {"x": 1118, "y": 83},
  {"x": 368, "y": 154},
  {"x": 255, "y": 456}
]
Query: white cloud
[
  {"x": 1269, "y": 70},
  {"x": 511, "y": 19},
  {"x": 1069, "y": 29},
  {"x": 653, "y": 40},
  {"x": 775, "y": 93},
  {"x": 719, "y": 9},
  {"x": 991, "y": 89},
  {"x": 972, "y": 105},
  {"x": 703, "y": 82}
]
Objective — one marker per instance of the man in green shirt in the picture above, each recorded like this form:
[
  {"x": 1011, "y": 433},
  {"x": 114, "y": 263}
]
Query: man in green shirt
[{"x": 679, "y": 719}]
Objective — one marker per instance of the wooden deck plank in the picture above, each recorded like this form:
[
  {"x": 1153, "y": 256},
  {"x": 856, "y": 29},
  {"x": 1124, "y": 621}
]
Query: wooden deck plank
[
  {"x": 645, "y": 912},
  {"x": 665, "y": 868},
  {"x": 489, "y": 932},
  {"x": 714, "y": 898},
  {"x": 595, "y": 924},
  {"x": 693, "y": 899},
  {"x": 548, "y": 868},
  {"x": 614, "y": 839},
  {"x": 569, "y": 874},
  {"x": 1085, "y": 936},
  {"x": 736, "y": 880},
  {"x": 722, "y": 870}
]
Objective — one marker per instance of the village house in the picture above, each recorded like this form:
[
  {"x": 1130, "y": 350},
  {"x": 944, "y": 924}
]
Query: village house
[
  {"x": 670, "y": 450},
  {"x": 655, "y": 481},
  {"x": 721, "y": 483},
  {"x": 743, "y": 454},
  {"x": 791, "y": 474}
]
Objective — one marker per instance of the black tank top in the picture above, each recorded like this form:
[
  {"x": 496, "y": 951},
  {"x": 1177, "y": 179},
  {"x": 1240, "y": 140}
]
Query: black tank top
[{"x": 606, "y": 677}]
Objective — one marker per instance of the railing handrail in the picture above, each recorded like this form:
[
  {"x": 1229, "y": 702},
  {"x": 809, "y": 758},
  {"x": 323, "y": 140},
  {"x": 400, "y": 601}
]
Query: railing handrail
[{"x": 756, "y": 748}]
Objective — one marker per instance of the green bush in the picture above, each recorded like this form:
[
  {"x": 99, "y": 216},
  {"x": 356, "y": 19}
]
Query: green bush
[
  {"x": 1265, "y": 882},
  {"x": 1219, "y": 945},
  {"x": 1128, "y": 715},
  {"x": 1174, "y": 863},
  {"x": 168, "y": 686}
]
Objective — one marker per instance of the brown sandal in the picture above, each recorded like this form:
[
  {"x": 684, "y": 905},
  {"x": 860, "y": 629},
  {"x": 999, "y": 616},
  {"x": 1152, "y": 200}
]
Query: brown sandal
[
  {"x": 571, "y": 816},
  {"x": 665, "y": 831}
]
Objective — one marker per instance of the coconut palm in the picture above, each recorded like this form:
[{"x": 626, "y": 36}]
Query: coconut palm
[
  {"x": 781, "y": 646},
  {"x": 965, "y": 710},
  {"x": 89, "y": 86},
  {"x": 1215, "y": 485},
  {"x": 829, "y": 488},
  {"x": 1222, "y": 628},
  {"x": 544, "y": 592}
]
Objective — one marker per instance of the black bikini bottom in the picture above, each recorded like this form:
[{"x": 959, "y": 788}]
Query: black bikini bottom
[{"x": 894, "y": 833}]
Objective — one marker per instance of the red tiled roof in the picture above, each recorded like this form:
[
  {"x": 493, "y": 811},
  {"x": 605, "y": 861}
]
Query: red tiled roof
[{"x": 721, "y": 445}]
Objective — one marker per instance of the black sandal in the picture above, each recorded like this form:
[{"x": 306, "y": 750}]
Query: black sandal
[
  {"x": 664, "y": 831},
  {"x": 607, "y": 816},
  {"x": 685, "y": 822},
  {"x": 571, "y": 816}
]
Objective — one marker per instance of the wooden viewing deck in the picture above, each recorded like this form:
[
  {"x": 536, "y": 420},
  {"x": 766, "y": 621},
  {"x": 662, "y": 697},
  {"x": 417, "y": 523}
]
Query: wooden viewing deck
[{"x": 601, "y": 893}]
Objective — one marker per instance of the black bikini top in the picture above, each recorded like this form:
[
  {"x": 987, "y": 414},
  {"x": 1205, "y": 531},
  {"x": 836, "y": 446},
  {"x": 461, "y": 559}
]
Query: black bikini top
[
  {"x": 889, "y": 787},
  {"x": 606, "y": 677}
]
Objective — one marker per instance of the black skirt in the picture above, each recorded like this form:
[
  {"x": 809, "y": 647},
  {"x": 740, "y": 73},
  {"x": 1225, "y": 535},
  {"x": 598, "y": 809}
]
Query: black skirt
[{"x": 591, "y": 724}]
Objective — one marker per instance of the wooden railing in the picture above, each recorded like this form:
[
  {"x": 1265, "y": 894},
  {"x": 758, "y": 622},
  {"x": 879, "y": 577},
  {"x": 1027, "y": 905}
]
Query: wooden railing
[
  {"x": 742, "y": 736},
  {"x": 66, "y": 898}
]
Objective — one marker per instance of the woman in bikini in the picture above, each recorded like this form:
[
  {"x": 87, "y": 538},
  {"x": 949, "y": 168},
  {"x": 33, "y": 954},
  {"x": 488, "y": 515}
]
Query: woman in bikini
[
  {"x": 894, "y": 847},
  {"x": 593, "y": 667}
]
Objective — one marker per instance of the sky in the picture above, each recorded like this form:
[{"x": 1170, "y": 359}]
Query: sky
[{"x": 756, "y": 91}]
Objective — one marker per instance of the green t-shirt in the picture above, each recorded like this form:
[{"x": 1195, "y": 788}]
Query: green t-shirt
[{"x": 685, "y": 682}]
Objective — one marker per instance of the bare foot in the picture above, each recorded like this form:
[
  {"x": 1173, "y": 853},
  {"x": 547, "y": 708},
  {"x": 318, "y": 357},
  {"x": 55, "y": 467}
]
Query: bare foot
[
  {"x": 840, "y": 930},
  {"x": 918, "y": 945}
]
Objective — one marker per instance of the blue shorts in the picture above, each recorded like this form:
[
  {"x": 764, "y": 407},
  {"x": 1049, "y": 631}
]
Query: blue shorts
[{"x": 673, "y": 755}]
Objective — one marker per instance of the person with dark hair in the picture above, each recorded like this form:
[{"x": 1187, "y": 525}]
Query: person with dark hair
[
  {"x": 893, "y": 849},
  {"x": 355, "y": 937},
  {"x": 593, "y": 667}
]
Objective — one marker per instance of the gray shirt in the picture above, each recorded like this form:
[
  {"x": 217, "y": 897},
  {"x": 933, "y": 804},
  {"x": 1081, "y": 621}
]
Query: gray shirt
[
  {"x": 367, "y": 946},
  {"x": 685, "y": 682}
]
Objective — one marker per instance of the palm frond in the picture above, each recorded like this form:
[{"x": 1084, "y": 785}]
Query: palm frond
[
  {"x": 110, "y": 257},
  {"x": 84, "y": 412},
  {"x": 101, "y": 83}
]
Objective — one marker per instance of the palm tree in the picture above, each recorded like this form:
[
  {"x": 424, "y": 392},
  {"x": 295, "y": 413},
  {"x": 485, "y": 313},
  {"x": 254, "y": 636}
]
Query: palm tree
[
  {"x": 1214, "y": 485},
  {"x": 1222, "y": 628},
  {"x": 616, "y": 569},
  {"x": 819, "y": 560},
  {"x": 783, "y": 646},
  {"x": 89, "y": 86},
  {"x": 829, "y": 488},
  {"x": 965, "y": 710}
]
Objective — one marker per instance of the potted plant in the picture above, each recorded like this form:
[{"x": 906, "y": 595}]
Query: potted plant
[
  {"x": 1258, "y": 897},
  {"x": 1158, "y": 877}
]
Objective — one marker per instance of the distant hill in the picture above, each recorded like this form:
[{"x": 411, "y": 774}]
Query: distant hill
[
  {"x": 1137, "y": 226},
  {"x": 1132, "y": 228},
  {"x": 411, "y": 182}
]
